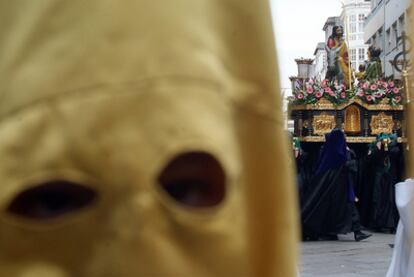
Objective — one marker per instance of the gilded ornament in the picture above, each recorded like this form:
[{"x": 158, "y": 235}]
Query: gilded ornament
[
  {"x": 381, "y": 123},
  {"x": 323, "y": 123}
]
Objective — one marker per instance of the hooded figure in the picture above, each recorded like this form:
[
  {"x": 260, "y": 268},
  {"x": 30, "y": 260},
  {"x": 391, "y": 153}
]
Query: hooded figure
[
  {"x": 329, "y": 209},
  {"x": 385, "y": 167},
  {"x": 142, "y": 138}
]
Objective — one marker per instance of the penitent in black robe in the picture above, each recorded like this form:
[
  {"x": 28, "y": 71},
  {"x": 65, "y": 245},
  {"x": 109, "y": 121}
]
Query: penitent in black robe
[
  {"x": 327, "y": 209},
  {"x": 303, "y": 173},
  {"x": 384, "y": 174}
]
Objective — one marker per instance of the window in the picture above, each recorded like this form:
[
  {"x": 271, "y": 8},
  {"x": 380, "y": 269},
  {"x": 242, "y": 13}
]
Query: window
[
  {"x": 352, "y": 18},
  {"x": 361, "y": 54},
  {"x": 352, "y": 37},
  {"x": 360, "y": 26},
  {"x": 353, "y": 55},
  {"x": 361, "y": 17},
  {"x": 352, "y": 28}
]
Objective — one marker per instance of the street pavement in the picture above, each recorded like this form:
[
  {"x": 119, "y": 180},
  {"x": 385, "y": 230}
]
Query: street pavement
[{"x": 346, "y": 257}]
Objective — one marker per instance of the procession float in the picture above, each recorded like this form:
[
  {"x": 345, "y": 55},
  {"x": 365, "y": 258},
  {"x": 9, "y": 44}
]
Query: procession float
[
  {"x": 364, "y": 104},
  {"x": 369, "y": 109}
]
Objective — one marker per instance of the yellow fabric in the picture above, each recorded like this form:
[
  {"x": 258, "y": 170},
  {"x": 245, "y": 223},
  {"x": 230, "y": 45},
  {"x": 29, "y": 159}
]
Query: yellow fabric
[
  {"x": 105, "y": 93},
  {"x": 343, "y": 62}
]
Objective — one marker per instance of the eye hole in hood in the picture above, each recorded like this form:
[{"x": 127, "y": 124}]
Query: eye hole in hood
[
  {"x": 194, "y": 179},
  {"x": 51, "y": 200}
]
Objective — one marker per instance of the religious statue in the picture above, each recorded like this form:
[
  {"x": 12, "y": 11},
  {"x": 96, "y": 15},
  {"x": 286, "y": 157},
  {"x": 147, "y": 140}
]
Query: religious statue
[
  {"x": 360, "y": 75},
  {"x": 337, "y": 50},
  {"x": 373, "y": 68}
]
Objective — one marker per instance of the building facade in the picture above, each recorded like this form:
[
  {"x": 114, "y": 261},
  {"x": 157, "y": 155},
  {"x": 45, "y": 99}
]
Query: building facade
[
  {"x": 320, "y": 61},
  {"x": 353, "y": 17},
  {"x": 384, "y": 25}
]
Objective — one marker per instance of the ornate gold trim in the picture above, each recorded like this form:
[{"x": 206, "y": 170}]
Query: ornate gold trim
[
  {"x": 348, "y": 139},
  {"x": 329, "y": 106},
  {"x": 381, "y": 123},
  {"x": 323, "y": 123},
  {"x": 352, "y": 122}
]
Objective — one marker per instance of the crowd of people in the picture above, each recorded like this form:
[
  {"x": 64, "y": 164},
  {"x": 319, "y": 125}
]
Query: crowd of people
[{"x": 342, "y": 191}]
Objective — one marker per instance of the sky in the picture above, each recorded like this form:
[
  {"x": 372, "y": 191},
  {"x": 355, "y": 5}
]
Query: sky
[{"x": 298, "y": 25}]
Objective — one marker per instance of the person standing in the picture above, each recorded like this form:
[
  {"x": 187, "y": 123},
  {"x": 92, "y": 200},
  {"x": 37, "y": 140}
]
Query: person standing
[
  {"x": 384, "y": 165},
  {"x": 330, "y": 209}
]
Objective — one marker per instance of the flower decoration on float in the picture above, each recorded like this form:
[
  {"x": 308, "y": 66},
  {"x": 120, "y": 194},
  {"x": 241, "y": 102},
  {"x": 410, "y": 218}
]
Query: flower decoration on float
[
  {"x": 376, "y": 91},
  {"x": 313, "y": 90}
]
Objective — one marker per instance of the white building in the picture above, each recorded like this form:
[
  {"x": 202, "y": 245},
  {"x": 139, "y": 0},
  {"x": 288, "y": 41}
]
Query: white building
[
  {"x": 387, "y": 20},
  {"x": 320, "y": 61},
  {"x": 352, "y": 19},
  {"x": 353, "y": 16}
]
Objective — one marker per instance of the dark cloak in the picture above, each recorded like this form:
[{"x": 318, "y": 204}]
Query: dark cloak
[
  {"x": 303, "y": 173},
  {"x": 380, "y": 211},
  {"x": 327, "y": 209}
]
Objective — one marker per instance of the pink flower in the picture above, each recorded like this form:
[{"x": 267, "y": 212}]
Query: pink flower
[
  {"x": 369, "y": 98},
  {"x": 396, "y": 90},
  {"x": 318, "y": 94},
  {"x": 378, "y": 82},
  {"x": 328, "y": 90},
  {"x": 300, "y": 96},
  {"x": 391, "y": 84},
  {"x": 311, "y": 81},
  {"x": 309, "y": 90},
  {"x": 360, "y": 92},
  {"x": 323, "y": 83},
  {"x": 384, "y": 85},
  {"x": 373, "y": 87},
  {"x": 343, "y": 95},
  {"x": 365, "y": 85},
  {"x": 378, "y": 95},
  {"x": 397, "y": 99}
]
